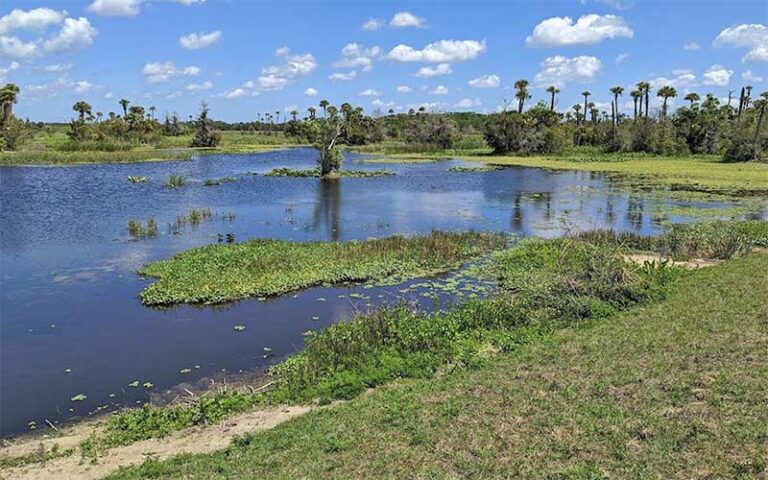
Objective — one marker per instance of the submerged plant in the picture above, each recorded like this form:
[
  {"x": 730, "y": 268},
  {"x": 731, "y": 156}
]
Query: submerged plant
[
  {"x": 175, "y": 181},
  {"x": 137, "y": 179}
]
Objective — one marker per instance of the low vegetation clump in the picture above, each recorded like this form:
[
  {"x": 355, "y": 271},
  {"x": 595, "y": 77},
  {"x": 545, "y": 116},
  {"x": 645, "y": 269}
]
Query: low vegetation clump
[
  {"x": 487, "y": 168},
  {"x": 136, "y": 179},
  {"x": 315, "y": 172},
  {"x": 175, "y": 181},
  {"x": 262, "y": 267},
  {"x": 137, "y": 230}
]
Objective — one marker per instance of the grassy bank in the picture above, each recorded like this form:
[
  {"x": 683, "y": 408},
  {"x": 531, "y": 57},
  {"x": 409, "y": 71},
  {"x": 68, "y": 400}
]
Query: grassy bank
[
  {"x": 53, "y": 157},
  {"x": 315, "y": 172},
  {"x": 671, "y": 390},
  {"x": 706, "y": 173},
  {"x": 218, "y": 273}
]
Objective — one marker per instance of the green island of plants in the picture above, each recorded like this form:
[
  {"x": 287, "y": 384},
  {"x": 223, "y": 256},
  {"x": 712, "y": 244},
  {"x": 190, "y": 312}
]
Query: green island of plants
[
  {"x": 545, "y": 287},
  {"x": 220, "y": 273}
]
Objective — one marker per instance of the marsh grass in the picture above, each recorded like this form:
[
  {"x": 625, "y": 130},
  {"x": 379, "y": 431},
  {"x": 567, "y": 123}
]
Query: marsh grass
[
  {"x": 210, "y": 182},
  {"x": 53, "y": 157},
  {"x": 262, "y": 267},
  {"x": 138, "y": 231},
  {"x": 175, "y": 181},
  {"x": 488, "y": 168},
  {"x": 135, "y": 179}
]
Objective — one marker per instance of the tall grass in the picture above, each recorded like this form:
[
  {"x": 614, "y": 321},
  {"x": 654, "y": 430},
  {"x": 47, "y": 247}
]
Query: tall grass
[
  {"x": 49, "y": 157},
  {"x": 175, "y": 181}
]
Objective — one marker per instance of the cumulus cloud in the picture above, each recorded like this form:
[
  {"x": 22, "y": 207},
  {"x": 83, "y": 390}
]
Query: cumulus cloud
[
  {"x": 35, "y": 19},
  {"x": 748, "y": 76},
  {"x": 680, "y": 78},
  {"x": 62, "y": 84},
  {"x": 588, "y": 30},
  {"x": 371, "y": 92},
  {"x": 404, "y": 89},
  {"x": 429, "y": 72},
  {"x": 560, "y": 70},
  {"x": 311, "y": 92},
  {"x": 58, "y": 67},
  {"x": 197, "y": 87},
  {"x": 115, "y": 8},
  {"x": 406, "y": 19},
  {"x": 691, "y": 46},
  {"x": 276, "y": 77},
  {"x": 753, "y": 36},
  {"x": 342, "y": 77},
  {"x": 354, "y": 55},
  {"x": 717, "y": 76},
  {"x": 468, "y": 103},
  {"x": 196, "y": 41},
  {"x": 443, "y": 51},
  {"x": 248, "y": 89},
  {"x": 162, "y": 72},
  {"x": 485, "y": 81},
  {"x": 621, "y": 57},
  {"x": 73, "y": 34},
  {"x": 373, "y": 24},
  {"x": 439, "y": 90}
]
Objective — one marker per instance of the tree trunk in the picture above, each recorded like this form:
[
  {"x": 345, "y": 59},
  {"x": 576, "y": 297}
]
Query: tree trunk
[
  {"x": 647, "y": 100},
  {"x": 635, "y": 108},
  {"x": 613, "y": 114},
  {"x": 741, "y": 101},
  {"x": 552, "y": 103}
]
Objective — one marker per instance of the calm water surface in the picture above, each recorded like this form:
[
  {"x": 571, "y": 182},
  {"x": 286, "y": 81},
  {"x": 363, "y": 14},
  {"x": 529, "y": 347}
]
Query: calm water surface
[{"x": 68, "y": 298}]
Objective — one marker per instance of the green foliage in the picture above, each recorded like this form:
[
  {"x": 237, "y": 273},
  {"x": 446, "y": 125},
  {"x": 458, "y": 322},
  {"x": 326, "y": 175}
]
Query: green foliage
[
  {"x": 14, "y": 134},
  {"x": 534, "y": 131},
  {"x": 205, "y": 135},
  {"x": 175, "y": 181},
  {"x": 290, "y": 172},
  {"x": 261, "y": 267}
]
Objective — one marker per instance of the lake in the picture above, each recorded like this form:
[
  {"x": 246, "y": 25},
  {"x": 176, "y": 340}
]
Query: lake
[{"x": 70, "y": 319}]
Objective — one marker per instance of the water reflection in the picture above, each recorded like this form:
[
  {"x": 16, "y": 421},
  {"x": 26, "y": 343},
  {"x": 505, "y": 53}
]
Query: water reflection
[{"x": 327, "y": 209}]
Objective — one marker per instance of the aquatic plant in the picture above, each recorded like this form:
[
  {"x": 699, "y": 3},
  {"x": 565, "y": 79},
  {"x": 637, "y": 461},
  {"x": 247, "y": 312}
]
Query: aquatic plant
[
  {"x": 217, "y": 181},
  {"x": 137, "y": 231},
  {"x": 487, "y": 168},
  {"x": 218, "y": 273},
  {"x": 175, "y": 181},
  {"x": 137, "y": 179},
  {"x": 315, "y": 172}
]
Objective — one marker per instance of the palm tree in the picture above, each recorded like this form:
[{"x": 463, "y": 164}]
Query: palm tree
[
  {"x": 666, "y": 92},
  {"x": 391, "y": 112},
  {"x": 636, "y": 96},
  {"x": 616, "y": 91},
  {"x": 692, "y": 97},
  {"x": 9, "y": 95},
  {"x": 644, "y": 87},
  {"x": 82, "y": 108},
  {"x": 553, "y": 90},
  {"x": 152, "y": 111},
  {"x": 577, "y": 109},
  {"x": 522, "y": 94},
  {"x": 124, "y": 103},
  {"x": 294, "y": 114},
  {"x": 593, "y": 112},
  {"x": 586, "y": 94},
  {"x": 749, "y": 96},
  {"x": 277, "y": 118},
  {"x": 312, "y": 111},
  {"x": 324, "y": 105},
  {"x": 98, "y": 116}
]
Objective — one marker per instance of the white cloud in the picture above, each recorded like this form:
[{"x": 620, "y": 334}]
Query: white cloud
[
  {"x": 371, "y": 92},
  {"x": 187, "y": 3},
  {"x": 717, "y": 75},
  {"x": 62, "y": 84},
  {"x": 276, "y": 77},
  {"x": 238, "y": 93},
  {"x": 588, "y": 30},
  {"x": 74, "y": 34},
  {"x": 443, "y": 51},
  {"x": 404, "y": 89},
  {"x": 752, "y": 36},
  {"x": 617, "y": 4},
  {"x": 691, "y": 46},
  {"x": 162, "y": 72},
  {"x": 35, "y": 19},
  {"x": 354, "y": 55},
  {"x": 58, "y": 68},
  {"x": 560, "y": 70},
  {"x": 429, "y": 72},
  {"x": 406, "y": 19},
  {"x": 115, "y": 8},
  {"x": 311, "y": 92},
  {"x": 342, "y": 77},
  {"x": 196, "y": 87},
  {"x": 439, "y": 90},
  {"x": 680, "y": 78},
  {"x": 373, "y": 24},
  {"x": 748, "y": 76},
  {"x": 196, "y": 41},
  {"x": 468, "y": 103},
  {"x": 621, "y": 57},
  {"x": 15, "y": 48},
  {"x": 4, "y": 71},
  {"x": 83, "y": 86},
  {"x": 485, "y": 81}
]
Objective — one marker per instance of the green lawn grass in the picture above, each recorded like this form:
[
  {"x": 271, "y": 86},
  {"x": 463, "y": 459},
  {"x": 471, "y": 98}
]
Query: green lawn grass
[
  {"x": 218, "y": 273},
  {"x": 675, "y": 389}
]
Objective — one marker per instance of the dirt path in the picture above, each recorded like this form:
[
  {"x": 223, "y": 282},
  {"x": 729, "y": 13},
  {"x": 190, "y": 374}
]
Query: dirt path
[{"x": 195, "y": 440}]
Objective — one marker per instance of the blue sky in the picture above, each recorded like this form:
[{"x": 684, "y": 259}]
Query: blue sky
[{"x": 246, "y": 57}]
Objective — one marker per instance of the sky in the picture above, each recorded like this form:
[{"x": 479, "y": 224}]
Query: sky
[{"x": 245, "y": 57}]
